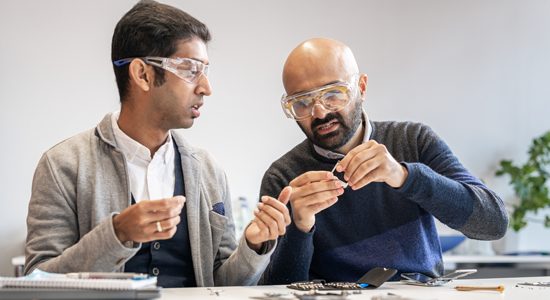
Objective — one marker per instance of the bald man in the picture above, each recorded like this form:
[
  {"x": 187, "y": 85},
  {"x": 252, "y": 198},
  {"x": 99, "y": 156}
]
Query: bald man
[{"x": 365, "y": 193}]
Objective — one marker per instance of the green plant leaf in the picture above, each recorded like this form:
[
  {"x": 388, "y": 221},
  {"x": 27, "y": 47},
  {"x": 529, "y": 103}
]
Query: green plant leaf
[{"x": 529, "y": 181}]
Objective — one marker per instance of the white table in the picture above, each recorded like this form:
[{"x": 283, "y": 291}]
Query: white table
[
  {"x": 536, "y": 259},
  {"x": 521, "y": 262},
  {"x": 404, "y": 290}
]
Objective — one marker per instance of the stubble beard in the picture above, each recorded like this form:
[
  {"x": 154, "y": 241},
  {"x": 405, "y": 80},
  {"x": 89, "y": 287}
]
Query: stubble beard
[{"x": 336, "y": 139}]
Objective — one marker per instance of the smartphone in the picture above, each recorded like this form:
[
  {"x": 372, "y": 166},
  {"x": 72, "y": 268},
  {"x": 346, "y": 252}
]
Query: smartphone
[{"x": 421, "y": 279}]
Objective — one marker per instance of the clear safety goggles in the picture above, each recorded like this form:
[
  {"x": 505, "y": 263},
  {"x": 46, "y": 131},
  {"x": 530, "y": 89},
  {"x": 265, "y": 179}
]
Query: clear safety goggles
[
  {"x": 331, "y": 97},
  {"x": 187, "y": 69}
]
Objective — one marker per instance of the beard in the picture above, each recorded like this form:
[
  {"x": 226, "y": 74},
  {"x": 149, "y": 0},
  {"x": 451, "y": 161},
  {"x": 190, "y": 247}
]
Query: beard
[{"x": 338, "y": 138}]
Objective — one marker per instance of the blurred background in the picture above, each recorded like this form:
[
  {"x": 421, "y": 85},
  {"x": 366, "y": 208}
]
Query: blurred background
[{"x": 477, "y": 72}]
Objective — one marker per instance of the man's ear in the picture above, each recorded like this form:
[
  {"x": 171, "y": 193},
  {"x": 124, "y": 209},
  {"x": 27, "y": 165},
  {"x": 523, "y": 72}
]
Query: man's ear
[
  {"x": 141, "y": 75},
  {"x": 363, "y": 86}
]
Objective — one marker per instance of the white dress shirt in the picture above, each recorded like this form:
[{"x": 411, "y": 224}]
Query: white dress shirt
[{"x": 150, "y": 178}]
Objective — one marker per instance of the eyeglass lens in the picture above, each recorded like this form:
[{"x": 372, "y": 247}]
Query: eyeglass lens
[
  {"x": 331, "y": 99},
  {"x": 191, "y": 70}
]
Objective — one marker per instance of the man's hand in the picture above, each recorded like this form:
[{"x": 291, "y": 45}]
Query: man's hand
[
  {"x": 312, "y": 192},
  {"x": 270, "y": 220},
  {"x": 371, "y": 162},
  {"x": 138, "y": 222}
]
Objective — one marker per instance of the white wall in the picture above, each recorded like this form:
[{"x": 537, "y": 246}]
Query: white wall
[{"x": 476, "y": 71}]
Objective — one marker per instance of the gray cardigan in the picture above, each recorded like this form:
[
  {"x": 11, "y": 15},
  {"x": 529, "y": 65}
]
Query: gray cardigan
[{"x": 82, "y": 182}]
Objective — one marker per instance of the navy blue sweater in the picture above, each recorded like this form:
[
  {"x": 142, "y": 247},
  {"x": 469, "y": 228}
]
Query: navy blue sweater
[{"x": 377, "y": 225}]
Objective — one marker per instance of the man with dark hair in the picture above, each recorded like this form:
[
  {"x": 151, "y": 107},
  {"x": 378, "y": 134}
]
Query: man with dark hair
[
  {"x": 90, "y": 208},
  {"x": 392, "y": 179}
]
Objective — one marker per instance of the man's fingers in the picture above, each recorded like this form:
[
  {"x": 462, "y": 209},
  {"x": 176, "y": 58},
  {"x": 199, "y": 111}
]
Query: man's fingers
[
  {"x": 323, "y": 205},
  {"x": 278, "y": 206},
  {"x": 376, "y": 175},
  {"x": 359, "y": 160},
  {"x": 262, "y": 226},
  {"x": 344, "y": 163},
  {"x": 163, "y": 204},
  {"x": 272, "y": 228},
  {"x": 284, "y": 196},
  {"x": 314, "y": 188},
  {"x": 269, "y": 223},
  {"x": 318, "y": 198},
  {"x": 157, "y": 210},
  {"x": 138, "y": 222},
  {"x": 165, "y": 234},
  {"x": 276, "y": 215},
  {"x": 165, "y": 225},
  {"x": 365, "y": 168},
  {"x": 164, "y": 214},
  {"x": 309, "y": 177}
]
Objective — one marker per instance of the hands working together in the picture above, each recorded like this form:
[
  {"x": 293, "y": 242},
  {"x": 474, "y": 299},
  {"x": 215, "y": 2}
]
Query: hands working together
[
  {"x": 157, "y": 220},
  {"x": 315, "y": 191},
  {"x": 308, "y": 194}
]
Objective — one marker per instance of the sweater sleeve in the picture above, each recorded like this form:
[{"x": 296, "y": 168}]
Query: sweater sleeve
[
  {"x": 443, "y": 187},
  {"x": 53, "y": 240},
  {"x": 291, "y": 260}
]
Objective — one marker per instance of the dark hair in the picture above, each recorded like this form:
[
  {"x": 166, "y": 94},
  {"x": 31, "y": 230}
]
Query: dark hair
[{"x": 151, "y": 29}]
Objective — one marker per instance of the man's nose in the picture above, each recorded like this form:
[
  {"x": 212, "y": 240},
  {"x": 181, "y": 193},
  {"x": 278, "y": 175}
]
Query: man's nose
[
  {"x": 319, "y": 111},
  {"x": 203, "y": 86}
]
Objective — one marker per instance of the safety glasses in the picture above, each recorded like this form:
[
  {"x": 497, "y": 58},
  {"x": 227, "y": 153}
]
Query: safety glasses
[
  {"x": 187, "y": 69},
  {"x": 331, "y": 97}
]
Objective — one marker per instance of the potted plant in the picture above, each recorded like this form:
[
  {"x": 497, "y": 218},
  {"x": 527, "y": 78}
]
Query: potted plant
[{"x": 530, "y": 182}]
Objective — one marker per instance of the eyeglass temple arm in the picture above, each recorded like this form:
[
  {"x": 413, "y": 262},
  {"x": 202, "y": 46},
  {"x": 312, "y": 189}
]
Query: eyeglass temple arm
[
  {"x": 151, "y": 61},
  {"x": 123, "y": 61}
]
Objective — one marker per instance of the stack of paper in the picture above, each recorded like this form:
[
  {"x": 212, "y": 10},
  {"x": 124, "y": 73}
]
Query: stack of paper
[{"x": 39, "y": 279}]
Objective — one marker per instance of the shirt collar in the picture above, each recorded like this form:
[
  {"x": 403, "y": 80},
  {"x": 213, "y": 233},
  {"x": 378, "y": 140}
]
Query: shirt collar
[
  {"x": 334, "y": 155},
  {"x": 133, "y": 149}
]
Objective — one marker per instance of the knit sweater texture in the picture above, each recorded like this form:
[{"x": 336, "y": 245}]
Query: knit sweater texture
[{"x": 380, "y": 226}]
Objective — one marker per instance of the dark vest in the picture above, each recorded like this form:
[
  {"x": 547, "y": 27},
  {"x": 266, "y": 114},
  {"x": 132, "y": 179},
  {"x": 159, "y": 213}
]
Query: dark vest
[{"x": 169, "y": 260}]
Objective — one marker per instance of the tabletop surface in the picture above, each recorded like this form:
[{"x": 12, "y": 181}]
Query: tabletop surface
[
  {"x": 405, "y": 291},
  {"x": 496, "y": 258}
]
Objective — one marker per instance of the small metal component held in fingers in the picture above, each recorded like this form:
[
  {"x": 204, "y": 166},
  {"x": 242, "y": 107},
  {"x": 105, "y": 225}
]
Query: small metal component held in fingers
[{"x": 344, "y": 184}]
